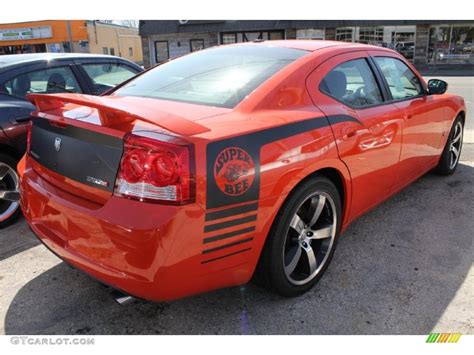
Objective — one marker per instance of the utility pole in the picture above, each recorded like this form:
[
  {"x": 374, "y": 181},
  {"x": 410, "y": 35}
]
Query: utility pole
[{"x": 69, "y": 36}]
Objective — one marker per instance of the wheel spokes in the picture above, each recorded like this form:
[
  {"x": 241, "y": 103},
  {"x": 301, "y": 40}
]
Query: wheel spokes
[
  {"x": 297, "y": 224},
  {"x": 455, "y": 152},
  {"x": 10, "y": 195},
  {"x": 317, "y": 204},
  {"x": 309, "y": 238},
  {"x": 312, "y": 263},
  {"x": 294, "y": 256},
  {"x": 457, "y": 137},
  {"x": 4, "y": 169},
  {"x": 322, "y": 233}
]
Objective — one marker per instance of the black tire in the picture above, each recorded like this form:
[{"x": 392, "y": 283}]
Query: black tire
[
  {"x": 446, "y": 165},
  {"x": 7, "y": 218},
  {"x": 271, "y": 272}
]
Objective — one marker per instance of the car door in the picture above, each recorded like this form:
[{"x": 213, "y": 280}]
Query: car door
[
  {"x": 367, "y": 129},
  {"x": 423, "y": 117},
  {"x": 45, "y": 79}
]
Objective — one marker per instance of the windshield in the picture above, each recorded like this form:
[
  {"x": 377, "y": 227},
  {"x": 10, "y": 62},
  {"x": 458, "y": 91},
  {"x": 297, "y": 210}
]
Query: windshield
[{"x": 221, "y": 76}]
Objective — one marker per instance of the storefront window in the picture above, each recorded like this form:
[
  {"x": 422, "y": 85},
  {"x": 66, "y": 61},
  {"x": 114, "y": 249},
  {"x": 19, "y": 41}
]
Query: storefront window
[
  {"x": 310, "y": 33},
  {"x": 451, "y": 44},
  {"x": 196, "y": 44},
  {"x": 237, "y": 37},
  {"x": 228, "y": 38},
  {"x": 344, "y": 34},
  {"x": 399, "y": 38},
  {"x": 403, "y": 41},
  {"x": 371, "y": 35},
  {"x": 275, "y": 35}
]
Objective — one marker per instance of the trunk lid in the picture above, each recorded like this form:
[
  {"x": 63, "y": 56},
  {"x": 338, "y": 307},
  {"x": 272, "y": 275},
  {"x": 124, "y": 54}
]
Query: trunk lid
[{"x": 77, "y": 140}]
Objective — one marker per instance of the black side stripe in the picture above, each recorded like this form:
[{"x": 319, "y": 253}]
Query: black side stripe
[
  {"x": 228, "y": 245},
  {"x": 225, "y": 256},
  {"x": 228, "y": 235},
  {"x": 211, "y": 216},
  {"x": 234, "y": 222},
  {"x": 334, "y": 119}
]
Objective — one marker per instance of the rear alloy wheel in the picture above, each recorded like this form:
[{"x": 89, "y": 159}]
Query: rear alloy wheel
[
  {"x": 9, "y": 191},
  {"x": 452, "y": 151},
  {"x": 303, "y": 238},
  {"x": 309, "y": 238}
]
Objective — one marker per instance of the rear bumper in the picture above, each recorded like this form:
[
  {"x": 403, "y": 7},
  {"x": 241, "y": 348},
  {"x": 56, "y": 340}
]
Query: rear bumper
[
  {"x": 123, "y": 250},
  {"x": 149, "y": 251},
  {"x": 114, "y": 289}
]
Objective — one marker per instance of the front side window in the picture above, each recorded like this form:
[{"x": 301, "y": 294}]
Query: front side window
[
  {"x": 402, "y": 82},
  {"x": 105, "y": 76},
  {"x": 352, "y": 83},
  {"x": 221, "y": 76},
  {"x": 46, "y": 81}
]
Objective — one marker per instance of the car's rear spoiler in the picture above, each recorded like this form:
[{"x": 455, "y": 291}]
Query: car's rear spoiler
[{"x": 115, "y": 110}]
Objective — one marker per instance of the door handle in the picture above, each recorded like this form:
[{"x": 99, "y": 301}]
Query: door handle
[
  {"x": 20, "y": 120},
  {"x": 407, "y": 116},
  {"x": 348, "y": 132}
]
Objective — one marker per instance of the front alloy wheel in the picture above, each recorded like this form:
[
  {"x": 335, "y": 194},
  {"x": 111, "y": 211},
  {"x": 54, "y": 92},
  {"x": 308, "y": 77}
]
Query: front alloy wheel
[
  {"x": 449, "y": 159},
  {"x": 455, "y": 145}
]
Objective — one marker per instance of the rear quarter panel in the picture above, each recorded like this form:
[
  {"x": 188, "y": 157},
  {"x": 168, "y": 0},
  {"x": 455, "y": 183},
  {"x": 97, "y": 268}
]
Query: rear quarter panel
[{"x": 288, "y": 139}]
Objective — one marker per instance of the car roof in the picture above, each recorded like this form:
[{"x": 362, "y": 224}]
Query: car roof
[
  {"x": 15, "y": 59},
  {"x": 312, "y": 45}
]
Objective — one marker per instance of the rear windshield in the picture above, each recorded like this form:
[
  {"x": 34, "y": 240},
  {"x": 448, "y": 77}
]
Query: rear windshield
[{"x": 221, "y": 76}]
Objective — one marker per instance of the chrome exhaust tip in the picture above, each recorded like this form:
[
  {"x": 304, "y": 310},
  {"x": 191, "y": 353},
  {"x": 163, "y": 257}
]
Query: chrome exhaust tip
[{"x": 121, "y": 298}]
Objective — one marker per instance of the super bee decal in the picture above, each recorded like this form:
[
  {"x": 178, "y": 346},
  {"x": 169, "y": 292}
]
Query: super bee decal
[{"x": 234, "y": 171}]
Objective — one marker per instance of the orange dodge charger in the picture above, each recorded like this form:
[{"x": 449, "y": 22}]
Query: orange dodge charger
[{"x": 235, "y": 162}]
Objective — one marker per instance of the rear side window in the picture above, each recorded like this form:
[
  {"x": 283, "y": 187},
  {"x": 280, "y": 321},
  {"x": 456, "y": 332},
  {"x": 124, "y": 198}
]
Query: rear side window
[
  {"x": 221, "y": 76},
  {"x": 352, "y": 83},
  {"x": 105, "y": 76},
  {"x": 402, "y": 82},
  {"x": 46, "y": 81}
]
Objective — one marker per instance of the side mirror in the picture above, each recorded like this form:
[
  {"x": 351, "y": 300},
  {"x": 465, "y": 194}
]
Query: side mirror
[{"x": 437, "y": 86}]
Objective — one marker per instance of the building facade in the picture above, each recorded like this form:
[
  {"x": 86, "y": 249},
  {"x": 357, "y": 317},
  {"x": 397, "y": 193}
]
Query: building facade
[
  {"x": 78, "y": 36},
  {"x": 43, "y": 36},
  {"x": 428, "y": 44},
  {"x": 109, "y": 38}
]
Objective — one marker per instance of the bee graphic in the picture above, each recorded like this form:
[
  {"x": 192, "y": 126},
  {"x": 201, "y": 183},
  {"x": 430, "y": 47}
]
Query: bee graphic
[{"x": 235, "y": 171}]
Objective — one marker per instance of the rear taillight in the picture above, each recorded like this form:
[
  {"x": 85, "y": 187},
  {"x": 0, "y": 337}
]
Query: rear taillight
[{"x": 155, "y": 171}]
